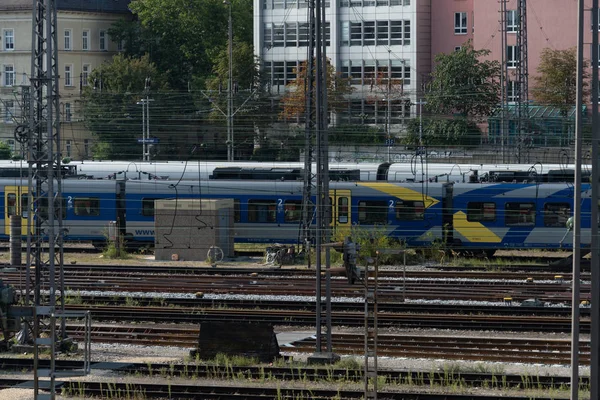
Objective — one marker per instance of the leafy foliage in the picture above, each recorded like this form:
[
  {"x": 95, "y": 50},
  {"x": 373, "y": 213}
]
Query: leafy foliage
[
  {"x": 113, "y": 113},
  {"x": 5, "y": 151},
  {"x": 294, "y": 100},
  {"x": 463, "y": 84},
  {"x": 356, "y": 134},
  {"x": 443, "y": 132},
  {"x": 556, "y": 81}
]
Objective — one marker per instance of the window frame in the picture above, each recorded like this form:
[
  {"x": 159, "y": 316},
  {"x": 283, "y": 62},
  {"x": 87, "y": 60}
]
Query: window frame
[
  {"x": 102, "y": 43},
  {"x": 9, "y": 111},
  {"x": 85, "y": 74},
  {"x": 558, "y": 212},
  {"x": 478, "y": 211},
  {"x": 8, "y": 76},
  {"x": 521, "y": 216},
  {"x": 512, "y": 21},
  {"x": 461, "y": 23},
  {"x": 68, "y": 113},
  {"x": 512, "y": 58},
  {"x": 254, "y": 210},
  {"x": 8, "y": 45},
  {"x": 85, "y": 40},
  {"x": 68, "y": 75},
  {"x": 370, "y": 212},
  {"x": 411, "y": 208},
  {"x": 68, "y": 39}
]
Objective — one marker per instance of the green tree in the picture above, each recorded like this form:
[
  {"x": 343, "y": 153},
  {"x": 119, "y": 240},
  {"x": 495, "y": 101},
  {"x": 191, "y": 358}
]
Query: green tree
[
  {"x": 458, "y": 131},
  {"x": 114, "y": 114},
  {"x": 555, "y": 83},
  {"x": 464, "y": 84},
  {"x": 185, "y": 37},
  {"x": 5, "y": 151}
]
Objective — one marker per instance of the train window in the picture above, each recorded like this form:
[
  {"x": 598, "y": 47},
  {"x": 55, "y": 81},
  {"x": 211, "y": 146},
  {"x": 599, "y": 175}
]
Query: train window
[
  {"x": 148, "y": 207},
  {"x": 293, "y": 210},
  {"x": 478, "y": 211},
  {"x": 372, "y": 212},
  {"x": 86, "y": 206},
  {"x": 237, "y": 211},
  {"x": 556, "y": 214},
  {"x": 262, "y": 210},
  {"x": 24, "y": 205},
  {"x": 519, "y": 214},
  {"x": 342, "y": 210},
  {"x": 11, "y": 204},
  {"x": 43, "y": 208},
  {"x": 408, "y": 210}
]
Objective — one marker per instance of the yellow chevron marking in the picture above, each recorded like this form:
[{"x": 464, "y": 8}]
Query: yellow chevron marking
[
  {"x": 401, "y": 193},
  {"x": 475, "y": 232}
]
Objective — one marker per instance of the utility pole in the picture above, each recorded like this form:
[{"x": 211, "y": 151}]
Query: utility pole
[
  {"x": 230, "y": 143},
  {"x": 145, "y": 103},
  {"x": 595, "y": 240},
  {"x": 388, "y": 114}
]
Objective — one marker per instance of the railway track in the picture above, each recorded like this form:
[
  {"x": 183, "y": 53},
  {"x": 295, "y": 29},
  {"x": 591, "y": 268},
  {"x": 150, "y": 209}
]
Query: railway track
[
  {"x": 309, "y": 304},
  {"x": 448, "y": 288},
  {"x": 103, "y": 389},
  {"x": 350, "y": 319},
  {"x": 199, "y": 370},
  {"x": 530, "y": 350}
]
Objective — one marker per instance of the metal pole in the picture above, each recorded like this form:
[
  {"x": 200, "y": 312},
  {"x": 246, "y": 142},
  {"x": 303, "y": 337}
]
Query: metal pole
[
  {"x": 230, "y": 151},
  {"x": 388, "y": 118},
  {"x": 577, "y": 212},
  {"x": 143, "y": 129},
  {"x": 595, "y": 241},
  {"x": 147, "y": 154}
]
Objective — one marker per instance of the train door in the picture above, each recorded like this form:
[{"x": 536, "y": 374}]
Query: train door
[
  {"x": 16, "y": 199},
  {"x": 340, "y": 211},
  {"x": 121, "y": 208},
  {"x": 448, "y": 213}
]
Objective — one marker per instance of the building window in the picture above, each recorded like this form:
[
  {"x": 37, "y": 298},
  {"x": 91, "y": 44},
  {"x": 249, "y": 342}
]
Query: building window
[
  {"x": 68, "y": 75},
  {"x": 457, "y": 48},
  {"x": 85, "y": 73},
  {"x": 86, "y": 148},
  {"x": 120, "y": 45},
  {"x": 68, "y": 39},
  {"x": 512, "y": 21},
  {"x": 85, "y": 40},
  {"x": 383, "y": 33},
  {"x": 9, "y": 111},
  {"x": 102, "y": 40},
  {"x": 512, "y": 56},
  {"x": 369, "y": 33},
  {"x": 9, "y": 75},
  {"x": 460, "y": 23},
  {"x": 512, "y": 92},
  {"x": 68, "y": 115},
  {"x": 68, "y": 148},
  {"x": 9, "y": 39},
  {"x": 278, "y": 32}
]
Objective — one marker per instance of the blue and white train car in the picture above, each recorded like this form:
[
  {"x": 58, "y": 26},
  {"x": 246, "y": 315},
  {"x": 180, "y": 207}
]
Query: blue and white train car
[{"x": 516, "y": 216}]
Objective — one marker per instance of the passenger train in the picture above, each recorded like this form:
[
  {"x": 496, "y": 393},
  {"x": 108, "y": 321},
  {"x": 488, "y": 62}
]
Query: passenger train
[
  {"x": 467, "y": 216},
  {"x": 417, "y": 171}
]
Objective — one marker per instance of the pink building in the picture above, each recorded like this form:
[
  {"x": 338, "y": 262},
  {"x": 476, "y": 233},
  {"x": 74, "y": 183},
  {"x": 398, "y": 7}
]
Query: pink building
[{"x": 550, "y": 23}]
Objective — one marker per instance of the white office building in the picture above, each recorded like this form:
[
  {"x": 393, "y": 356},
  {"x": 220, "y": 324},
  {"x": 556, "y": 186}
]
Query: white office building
[{"x": 367, "y": 41}]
